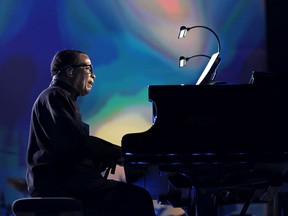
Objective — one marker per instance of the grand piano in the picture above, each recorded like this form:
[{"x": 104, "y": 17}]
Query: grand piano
[{"x": 230, "y": 140}]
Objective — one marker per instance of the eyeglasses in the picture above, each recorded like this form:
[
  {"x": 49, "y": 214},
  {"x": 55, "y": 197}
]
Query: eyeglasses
[{"x": 85, "y": 66}]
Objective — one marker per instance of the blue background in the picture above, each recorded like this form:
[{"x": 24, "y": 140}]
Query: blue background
[{"x": 132, "y": 44}]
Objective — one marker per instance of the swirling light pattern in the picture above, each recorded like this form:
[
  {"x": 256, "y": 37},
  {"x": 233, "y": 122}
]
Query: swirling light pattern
[{"x": 132, "y": 44}]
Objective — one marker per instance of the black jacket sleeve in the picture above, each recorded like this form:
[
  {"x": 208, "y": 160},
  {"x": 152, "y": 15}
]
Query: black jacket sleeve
[{"x": 103, "y": 153}]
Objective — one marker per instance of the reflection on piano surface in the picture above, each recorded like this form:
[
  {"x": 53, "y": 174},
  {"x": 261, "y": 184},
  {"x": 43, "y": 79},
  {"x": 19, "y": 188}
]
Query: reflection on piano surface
[{"x": 216, "y": 137}]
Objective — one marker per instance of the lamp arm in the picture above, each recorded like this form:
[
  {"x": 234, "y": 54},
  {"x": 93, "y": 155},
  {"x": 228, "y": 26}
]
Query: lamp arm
[
  {"x": 219, "y": 45},
  {"x": 183, "y": 60},
  {"x": 203, "y": 55}
]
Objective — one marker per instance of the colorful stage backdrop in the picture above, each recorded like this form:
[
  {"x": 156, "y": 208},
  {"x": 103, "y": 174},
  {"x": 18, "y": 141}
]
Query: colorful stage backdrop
[{"x": 132, "y": 44}]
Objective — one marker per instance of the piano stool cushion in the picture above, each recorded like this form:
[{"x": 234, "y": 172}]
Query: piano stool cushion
[{"x": 48, "y": 206}]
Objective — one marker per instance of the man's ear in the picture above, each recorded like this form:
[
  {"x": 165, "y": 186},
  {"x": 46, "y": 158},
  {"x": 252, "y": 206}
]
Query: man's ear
[{"x": 69, "y": 71}]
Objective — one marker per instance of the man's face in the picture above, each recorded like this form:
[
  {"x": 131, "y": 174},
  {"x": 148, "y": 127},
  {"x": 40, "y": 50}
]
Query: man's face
[{"x": 83, "y": 77}]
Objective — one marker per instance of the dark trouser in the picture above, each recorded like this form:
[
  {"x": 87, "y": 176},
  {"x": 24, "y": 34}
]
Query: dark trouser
[
  {"x": 100, "y": 196},
  {"x": 121, "y": 199}
]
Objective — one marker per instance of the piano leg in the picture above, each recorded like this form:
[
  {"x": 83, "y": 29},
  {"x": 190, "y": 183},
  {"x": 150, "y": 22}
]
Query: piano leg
[
  {"x": 204, "y": 202},
  {"x": 148, "y": 177},
  {"x": 282, "y": 200},
  {"x": 247, "y": 203}
]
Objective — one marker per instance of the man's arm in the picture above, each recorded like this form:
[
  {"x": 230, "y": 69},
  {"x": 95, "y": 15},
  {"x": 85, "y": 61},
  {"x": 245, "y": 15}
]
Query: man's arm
[{"x": 103, "y": 153}]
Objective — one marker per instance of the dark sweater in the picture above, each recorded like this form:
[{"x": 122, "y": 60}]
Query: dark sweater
[{"x": 61, "y": 157}]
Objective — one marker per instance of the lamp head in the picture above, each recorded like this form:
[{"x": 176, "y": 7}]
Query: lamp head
[
  {"x": 182, "y": 61},
  {"x": 182, "y": 32}
]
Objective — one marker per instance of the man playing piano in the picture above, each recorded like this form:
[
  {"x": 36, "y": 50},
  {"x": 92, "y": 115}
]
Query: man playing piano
[{"x": 63, "y": 159}]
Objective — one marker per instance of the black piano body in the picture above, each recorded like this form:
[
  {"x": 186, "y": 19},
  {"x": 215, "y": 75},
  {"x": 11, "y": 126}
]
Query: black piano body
[{"x": 218, "y": 135}]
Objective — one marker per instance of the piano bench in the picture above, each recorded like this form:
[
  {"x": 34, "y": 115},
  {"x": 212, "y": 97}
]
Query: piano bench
[{"x": 47, "y": 206}]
